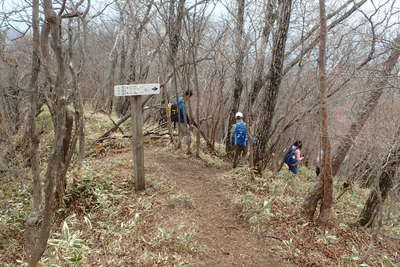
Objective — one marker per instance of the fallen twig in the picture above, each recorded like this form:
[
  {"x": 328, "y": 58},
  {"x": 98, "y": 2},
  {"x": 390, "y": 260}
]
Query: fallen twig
[{"x": 274, "y": 237}]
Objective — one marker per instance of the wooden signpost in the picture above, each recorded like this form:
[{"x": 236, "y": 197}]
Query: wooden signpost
[{"x": 135, "y": 91}]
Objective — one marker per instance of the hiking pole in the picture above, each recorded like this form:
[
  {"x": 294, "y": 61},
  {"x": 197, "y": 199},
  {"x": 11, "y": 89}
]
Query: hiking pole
[{"x": 203, "y": 135}]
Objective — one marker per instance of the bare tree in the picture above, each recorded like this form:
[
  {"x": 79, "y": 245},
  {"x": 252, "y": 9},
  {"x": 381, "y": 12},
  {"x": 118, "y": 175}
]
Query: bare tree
[
  {"x": 195, "y": 26},
  {"x": 259, "y": 79},
  {"x": 326, "y": 146},
  {"x": 369, "y": 107},
  {"x": 139, "y": 16},
  {"x": 110, "y": 81},
  {"x": 176, "y": 13},
  {"x": 238, "y": 76},
  {"x": 311, "y": 201},
  {"x": 272, "y": 88},
  {"x": 306, "y": 48},
  {"x": 39, "y": 225},
  {"x": 76, "y": 74},
  {"x": 32, "y": 132}
]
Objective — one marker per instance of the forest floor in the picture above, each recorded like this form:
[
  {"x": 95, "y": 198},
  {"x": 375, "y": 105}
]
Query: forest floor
[{"x": 194, "y": 212}]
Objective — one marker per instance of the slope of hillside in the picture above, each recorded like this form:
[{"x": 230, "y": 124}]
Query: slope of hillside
[{"x": 194, "y": 212}]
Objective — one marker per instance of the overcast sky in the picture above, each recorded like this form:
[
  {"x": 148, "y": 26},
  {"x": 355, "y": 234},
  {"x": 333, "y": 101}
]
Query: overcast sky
[{"x": 7, "y": 6}]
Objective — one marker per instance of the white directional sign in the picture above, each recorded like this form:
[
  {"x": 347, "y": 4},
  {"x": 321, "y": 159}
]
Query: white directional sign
[{"x": 137, "y": 89}]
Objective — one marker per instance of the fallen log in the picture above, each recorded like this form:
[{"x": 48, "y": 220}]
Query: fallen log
[{"x": 118, "y": 123}]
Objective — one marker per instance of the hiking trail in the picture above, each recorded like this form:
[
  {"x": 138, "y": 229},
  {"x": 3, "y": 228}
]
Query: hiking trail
[{"x": 227, "y": 239}]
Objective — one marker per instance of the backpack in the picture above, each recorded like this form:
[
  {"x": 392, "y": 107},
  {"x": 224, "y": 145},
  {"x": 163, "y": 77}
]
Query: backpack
[
  {"x": 240, "y": 135},
  {"x": 291, "y": 157},
  {"x": 173, "y": 111}
]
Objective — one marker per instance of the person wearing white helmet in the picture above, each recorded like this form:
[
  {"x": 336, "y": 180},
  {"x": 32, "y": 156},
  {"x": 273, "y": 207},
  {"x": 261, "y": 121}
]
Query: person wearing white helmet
[{"x": 239, "y": 138}]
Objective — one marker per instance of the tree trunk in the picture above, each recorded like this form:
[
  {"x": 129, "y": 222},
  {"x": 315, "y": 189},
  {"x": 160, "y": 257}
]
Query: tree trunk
[
  {"x": 77, "y": 100},
  {"x": 37, "y": 193},
  {"x": 121, "y": 76},
  {"x": 377, "y": 197},
  {"x": 326, "y": 205},
  {"x": 197, "y": 86},
  {"x": 122, "y": 63},
  {"x": 310, "y": 204},
  {"x": 259, "y": 79},
  {"x": 174, "y": 33},
  {"x": 384, "y": 183},
  {"x": 272, "y": 89},
  {"x": 123, "y": 103},
  {"x": 165, "y": 97},
  {"x": 109, "y": 88},
  {"x": 238, "y": 76},
  {"x": 63, "y": 164}
]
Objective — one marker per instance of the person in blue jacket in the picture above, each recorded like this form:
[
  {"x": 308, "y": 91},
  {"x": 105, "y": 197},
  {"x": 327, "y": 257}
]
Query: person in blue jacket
[
  {"x": 184, "y": 121},
  {"x": 239, "y": 138}
]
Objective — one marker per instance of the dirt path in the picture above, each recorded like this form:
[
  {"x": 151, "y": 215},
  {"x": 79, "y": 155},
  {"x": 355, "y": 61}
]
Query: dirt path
[{"x": 228, "y": 241}]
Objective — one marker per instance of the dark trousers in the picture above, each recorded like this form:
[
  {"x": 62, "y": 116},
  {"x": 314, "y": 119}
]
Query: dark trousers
[
  {"x": 293, "y": 168},
  {"x": 239, "y": 152}
]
